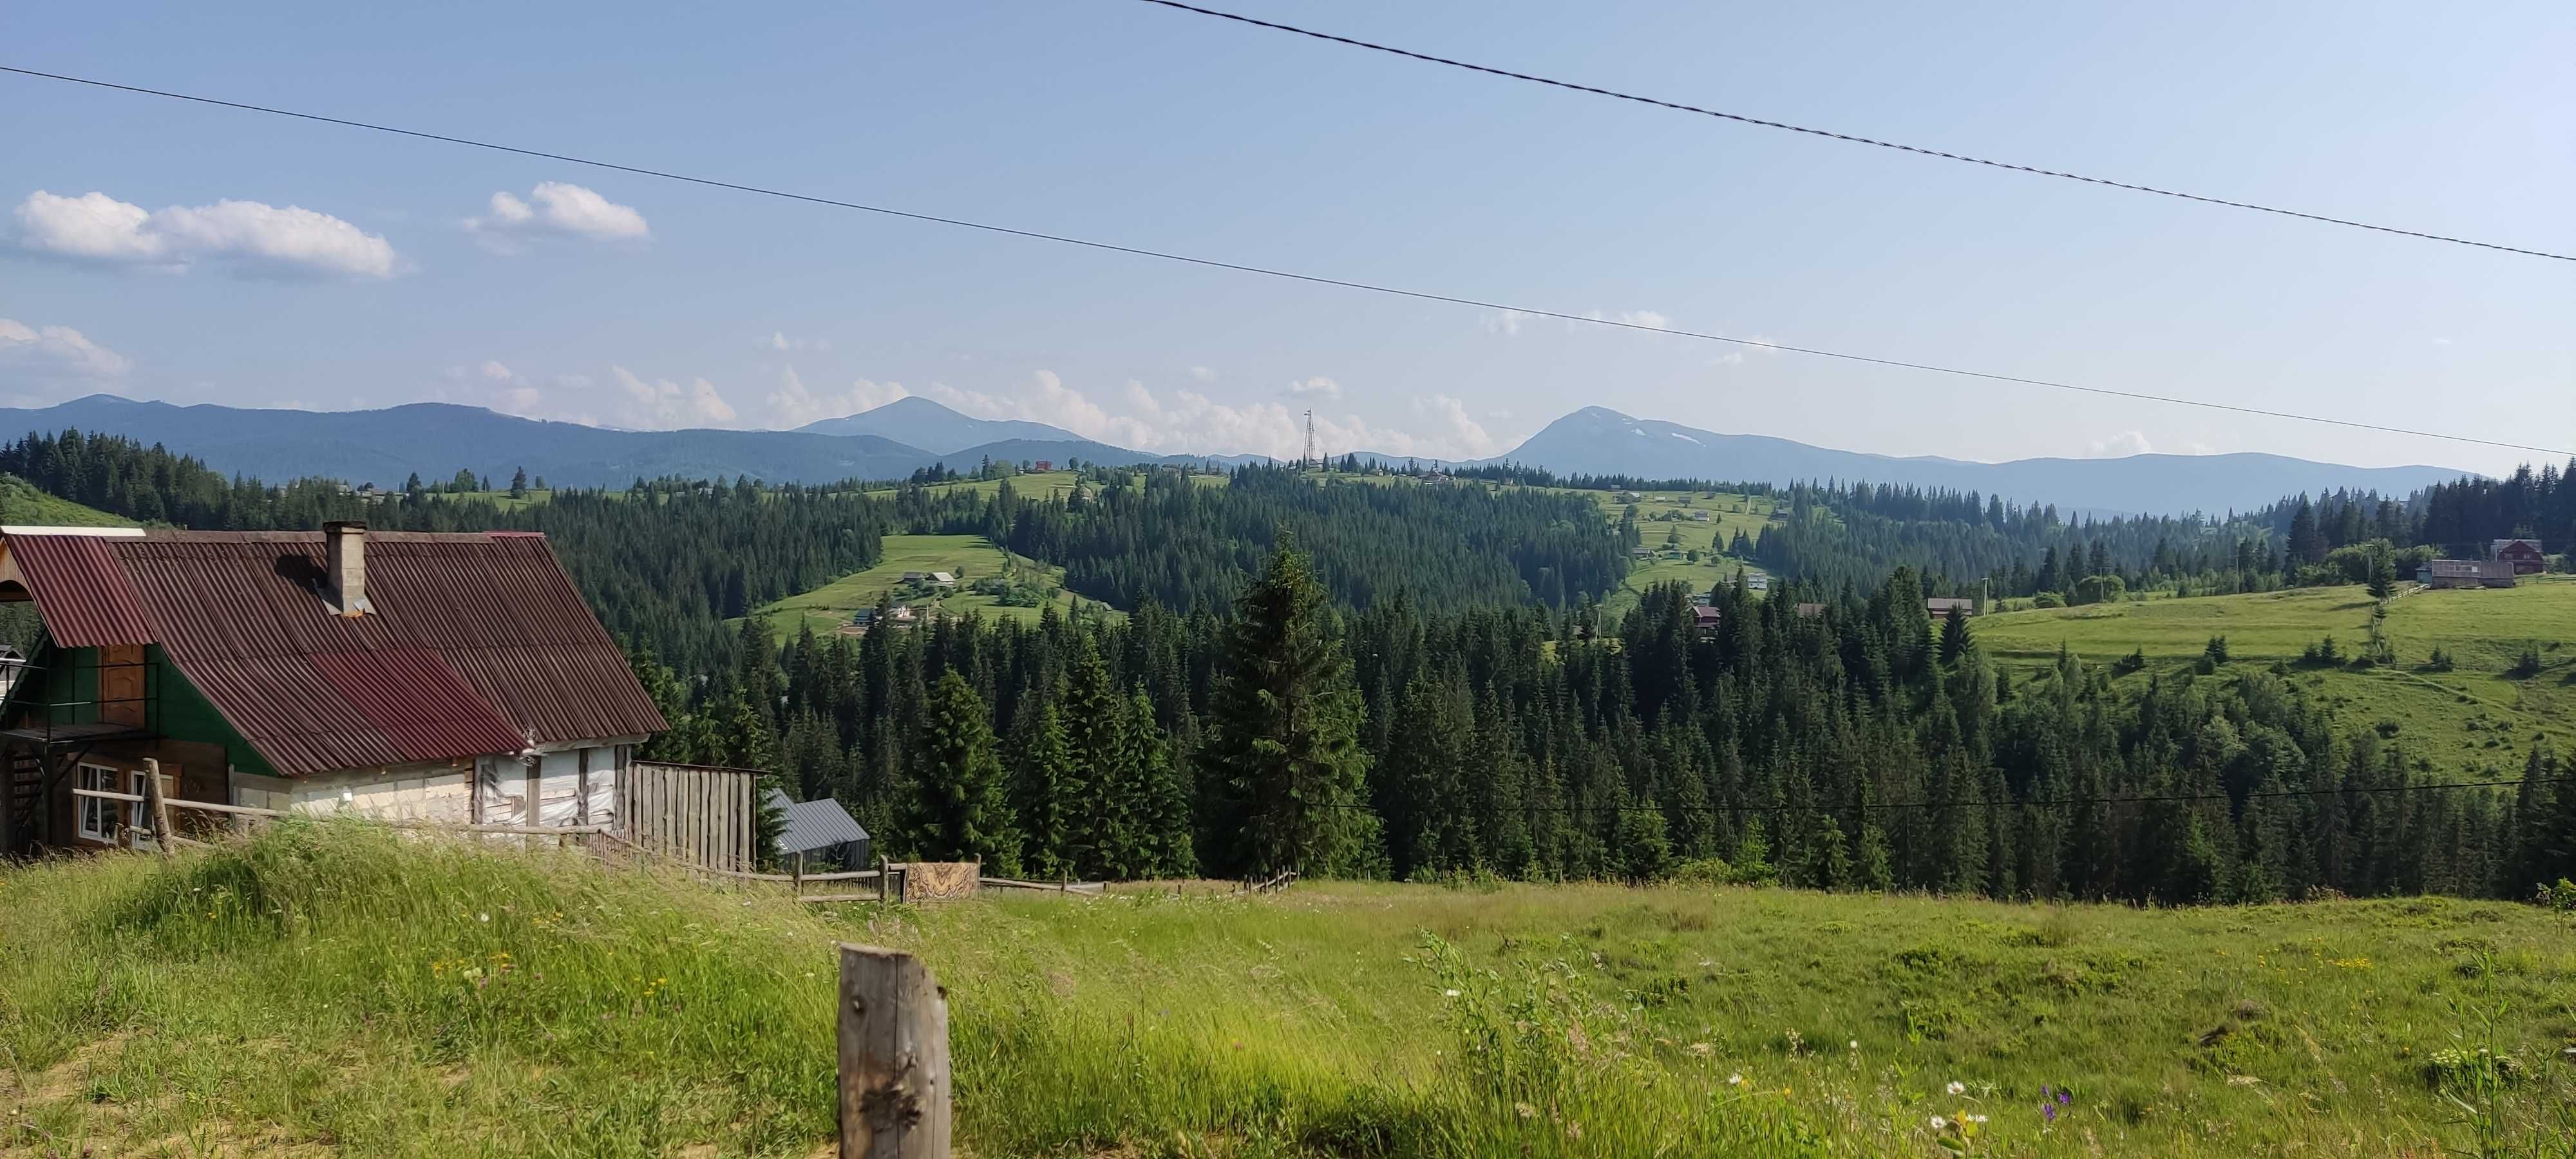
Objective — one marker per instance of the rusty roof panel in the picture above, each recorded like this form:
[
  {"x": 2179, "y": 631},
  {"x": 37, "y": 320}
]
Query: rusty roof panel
[{"x": 80, "y": 591}]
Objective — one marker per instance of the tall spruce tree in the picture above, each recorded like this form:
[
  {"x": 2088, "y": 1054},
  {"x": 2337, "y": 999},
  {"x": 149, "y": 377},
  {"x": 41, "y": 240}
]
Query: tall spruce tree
[
  {"x": 964, "y": 806},
  {"x": 1283, "y": 731}
]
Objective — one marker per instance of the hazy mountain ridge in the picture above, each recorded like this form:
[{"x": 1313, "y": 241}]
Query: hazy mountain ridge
[
  {"x": 918, "y": 422},
  {"x": 1601, "y": 441},
  {"x": 434, "y": 440}
]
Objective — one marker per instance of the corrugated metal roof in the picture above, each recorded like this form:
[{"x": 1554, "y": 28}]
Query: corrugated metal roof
[
  {"x": 813, "y": 825},
  {"x": 477, "y": 644},
  {"x": 88, "y": 608}
]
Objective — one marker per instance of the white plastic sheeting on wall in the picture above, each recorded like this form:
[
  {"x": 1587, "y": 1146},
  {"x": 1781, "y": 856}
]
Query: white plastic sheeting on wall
[
  {"x": 600, "y": 805},
  {"x": 501, "y": 790},
  {"x": 559, "y": 788}
]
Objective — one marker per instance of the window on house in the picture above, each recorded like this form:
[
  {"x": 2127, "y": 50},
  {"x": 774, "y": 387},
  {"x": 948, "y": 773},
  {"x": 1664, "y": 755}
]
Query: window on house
[{"x": 98, "y": 819}]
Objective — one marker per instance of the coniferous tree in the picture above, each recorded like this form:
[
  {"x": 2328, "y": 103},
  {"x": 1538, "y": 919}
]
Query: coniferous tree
[
  {"x": 1284, "y": 729},
  {"x": 964, "y": 805},
  {"x": 1161, "y": 812},
  {"x": 1048, "y": 792}
]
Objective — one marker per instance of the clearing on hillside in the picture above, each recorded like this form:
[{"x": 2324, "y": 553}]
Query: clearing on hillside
[
  {"x": 972, "y": 559},
  {"x": 1668, "y": 525},
  {"x": 338, "y": 987},
  {"x": 2476, "y": 717}
]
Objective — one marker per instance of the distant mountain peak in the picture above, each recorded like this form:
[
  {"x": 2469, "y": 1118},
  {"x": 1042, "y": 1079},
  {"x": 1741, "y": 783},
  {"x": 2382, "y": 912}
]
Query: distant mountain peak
[{"x": 924, "y": 423}]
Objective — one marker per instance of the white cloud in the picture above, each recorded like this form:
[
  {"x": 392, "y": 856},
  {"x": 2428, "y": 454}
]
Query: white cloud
[
  {"x": 1203, "y": 374},
  {"x": 794, "y": 404},
  {"x": 494, "y": 385},
  {"x": 250, "y": 236},
  {"x": 662, "y": 404},
  {"x": 562, "y": 210},
  {"x": 1189, "y": 422},
  {"x": 2120, "y": 446},
  {"x": 1756, "y": 345},
  {"x": 778, "y": 341},
  {"x": 1456, "y": 429},
  {"x": 1509, "y": 322},
  {"x": 57, "y": 353},
  {"x": 1647, "y": 318},
  {"x": 1311, "y": 388}
]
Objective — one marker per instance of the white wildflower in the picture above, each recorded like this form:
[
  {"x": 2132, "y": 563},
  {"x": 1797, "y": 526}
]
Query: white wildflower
[
  {"x": 1449, "y": 993},
  {"x": 1855, "y": 1044},
  {"x": 1940, "y": 1124},
  {"x": 482, "y": 917},
  {"x": 1736, "y": 1079},
  {"x": 1958, "y": 1088}
]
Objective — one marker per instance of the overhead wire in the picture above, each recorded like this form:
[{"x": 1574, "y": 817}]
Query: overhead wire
[
  {"x": 1852, "y": 138},
  {"x": 1270, "y": 272}
]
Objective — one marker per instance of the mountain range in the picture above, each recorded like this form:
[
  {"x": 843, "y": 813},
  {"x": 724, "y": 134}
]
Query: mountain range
[
  {"x": 434, "y": 440},
  {"x": 1601, "y": 441}
]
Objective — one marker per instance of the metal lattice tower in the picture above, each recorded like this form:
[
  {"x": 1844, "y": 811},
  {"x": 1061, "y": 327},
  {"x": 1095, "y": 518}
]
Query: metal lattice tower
[{"x": 1309, "y": 462}]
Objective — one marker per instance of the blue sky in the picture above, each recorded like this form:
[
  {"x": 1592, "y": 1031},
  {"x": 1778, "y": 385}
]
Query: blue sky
[{"x": 630, "y": 301}]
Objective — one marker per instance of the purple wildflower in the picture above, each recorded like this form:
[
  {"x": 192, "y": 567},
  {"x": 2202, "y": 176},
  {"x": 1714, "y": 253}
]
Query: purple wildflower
[
  {"x": 2062, "y": 1100},
  {"x": 2048, "y": 1111}
]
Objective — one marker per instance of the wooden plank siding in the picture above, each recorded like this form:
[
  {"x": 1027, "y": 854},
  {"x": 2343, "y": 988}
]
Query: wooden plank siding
[{"x": 700, "y": 814}]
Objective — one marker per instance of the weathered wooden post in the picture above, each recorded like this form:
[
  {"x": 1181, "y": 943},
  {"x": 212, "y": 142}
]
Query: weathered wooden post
[
  {"x": 156, "y": 807},
  {"x": 881, "y": 881},
  {"x": 894, "y": 1057},
  {"x": 796, "y": 876}
]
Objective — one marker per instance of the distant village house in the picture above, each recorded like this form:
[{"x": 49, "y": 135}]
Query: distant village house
[
  {"x": 1942, "y": 606},
  {"x": 2467, "y": 573},
  {"x": 2525, "y": 555}
]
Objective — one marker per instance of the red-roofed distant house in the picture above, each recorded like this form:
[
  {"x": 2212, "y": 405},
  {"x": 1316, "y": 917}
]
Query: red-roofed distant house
[
  {"x": 2525, "y": 554},
  {"x": 448, "y": 678}
]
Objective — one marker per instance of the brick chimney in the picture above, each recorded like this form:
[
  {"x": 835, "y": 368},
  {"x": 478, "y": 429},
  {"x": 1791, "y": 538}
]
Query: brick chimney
[{"x": 344, "y": 548}]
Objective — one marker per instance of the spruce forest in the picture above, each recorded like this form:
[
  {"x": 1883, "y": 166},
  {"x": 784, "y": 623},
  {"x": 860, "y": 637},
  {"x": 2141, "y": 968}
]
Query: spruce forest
[{"x": 1364, "y": 679}]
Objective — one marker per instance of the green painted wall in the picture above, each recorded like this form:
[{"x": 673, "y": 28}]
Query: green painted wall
[{"x": 183, "y": 713}]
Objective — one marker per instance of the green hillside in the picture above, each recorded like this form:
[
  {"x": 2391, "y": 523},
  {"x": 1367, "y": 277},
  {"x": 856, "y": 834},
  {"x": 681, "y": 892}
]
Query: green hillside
[
  {"x": 2476, "y": 715},
  {"x": 971, "y": 558},
  {"x": 23, "y": 503},
  {"x": 1668, "y": 525},
  {"x": 336, "y": 988}
]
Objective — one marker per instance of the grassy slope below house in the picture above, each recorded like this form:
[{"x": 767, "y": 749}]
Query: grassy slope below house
[
  {"x": 23, "y": 503},
  {"x": 340, "y": 989},
  {"x": 2464, "y": 720},
  {"x": 969, "y": 557}
]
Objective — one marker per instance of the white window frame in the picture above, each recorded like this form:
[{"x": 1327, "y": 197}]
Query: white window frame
[{"x": 94, "y": 813}]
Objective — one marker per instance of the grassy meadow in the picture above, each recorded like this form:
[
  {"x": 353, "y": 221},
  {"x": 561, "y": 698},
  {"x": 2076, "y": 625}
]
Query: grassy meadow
[
  {"x": 24, "y": 504},
  {"x": 337, "y": 988},
  {"x": 968, "y": 557},
  {"x": 1662, "y": 515},
  {"x": 2475, "y": 717}
]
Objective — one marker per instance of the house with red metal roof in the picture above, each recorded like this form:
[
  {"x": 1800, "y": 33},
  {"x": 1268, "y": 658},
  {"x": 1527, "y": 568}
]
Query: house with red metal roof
[{"x": 454, "y": 678}]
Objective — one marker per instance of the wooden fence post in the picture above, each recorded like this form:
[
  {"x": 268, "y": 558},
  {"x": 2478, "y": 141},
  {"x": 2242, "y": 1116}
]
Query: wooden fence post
[
  {"x": 881, "y": 881},
  {"x": 894, "y": 1057},
  {"x": 157, "y": 808}
]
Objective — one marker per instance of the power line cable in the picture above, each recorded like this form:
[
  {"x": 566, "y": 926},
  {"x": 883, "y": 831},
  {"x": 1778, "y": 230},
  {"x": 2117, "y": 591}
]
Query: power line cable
[
  {"x": 1264, "y": 271},
  {"x": 2051, "y": 802},
  {"x": 1740, "y": 118}
]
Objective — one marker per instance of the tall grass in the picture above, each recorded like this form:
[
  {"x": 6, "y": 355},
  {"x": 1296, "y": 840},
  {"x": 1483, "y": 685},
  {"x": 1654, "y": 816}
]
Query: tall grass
[{"x": 342, "y": 988}]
